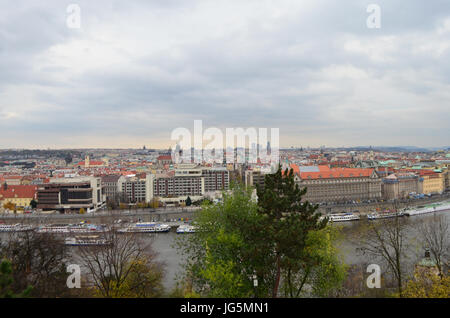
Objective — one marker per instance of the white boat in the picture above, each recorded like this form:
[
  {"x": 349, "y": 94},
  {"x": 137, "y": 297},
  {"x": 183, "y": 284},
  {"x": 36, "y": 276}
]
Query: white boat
[
  {"x": 185, "y": 228},
  {"x": 88, "y": 228},
  {"x": 86, "y": 241},
  {"x": 145, "y": 227},
  {"x": 343, "y": 217},
  {"x": 72, "y": 228},
  {"x": 428, "y": 209},
  {"x": 15, "y": 228},
  {"x": 53, "y": 228},
  {"x": 383, "y": 215}
]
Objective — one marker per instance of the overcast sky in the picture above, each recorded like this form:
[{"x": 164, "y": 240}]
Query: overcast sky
[{"x": 136, "y": 70}]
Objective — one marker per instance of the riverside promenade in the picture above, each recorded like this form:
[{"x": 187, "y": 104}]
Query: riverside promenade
[
  {"x": 167, "y": 215},
  {"x": 180, "y": 215}
]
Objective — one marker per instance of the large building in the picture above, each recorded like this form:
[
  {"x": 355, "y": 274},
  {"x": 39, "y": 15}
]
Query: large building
[
  {"x": 433, "y": 183},
  {"x": 254, "y": 178},
  {"x": 338, "y": 185},
  {"x": 71, "y": 194},
  {"x": 400, "y": 185},
  {"x": 13, "y": 180},
  {"x": 110, "y": 187},
  {"x": 216, "y": 179},
  {"x": 88, "y": 163},
  {"x": 136, "y": 188},
  {"x": 164, "y": 159},
  {"x": 189, "y": 180},
  {"x": 19, "y": 195},
  {"x": 181, "y": 183}
]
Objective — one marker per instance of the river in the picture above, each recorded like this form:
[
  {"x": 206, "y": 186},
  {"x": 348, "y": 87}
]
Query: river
[{"x": 163, "y": 244}]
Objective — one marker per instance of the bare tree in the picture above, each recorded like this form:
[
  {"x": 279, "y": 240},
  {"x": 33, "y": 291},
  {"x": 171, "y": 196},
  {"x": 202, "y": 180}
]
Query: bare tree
[
  {"x": 435, "y": 235},
  {"x": 385, "y": 240},
  {"x": 112, "y": 266},
  {"x": 38, "y": 260}
]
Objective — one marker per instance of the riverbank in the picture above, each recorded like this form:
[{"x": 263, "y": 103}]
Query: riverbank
[{"x": 187, "y": 213}]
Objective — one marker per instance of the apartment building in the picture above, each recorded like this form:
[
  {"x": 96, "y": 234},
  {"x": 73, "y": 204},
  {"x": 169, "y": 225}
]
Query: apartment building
[
  {"x": 175, "y": 185},
  {"x": 253, "y": 178},
  {"x": 136, "y": 188},
  {"x": 216, "y": 178},
  {"x": 110, "y": 187}
]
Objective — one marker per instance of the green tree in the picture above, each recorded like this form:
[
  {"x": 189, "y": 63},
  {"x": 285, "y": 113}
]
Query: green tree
[
  {"x": 223, "y": 253},
  {"x": 321, "y": 268},
  {"x": 277, "y": 240},
  {"x": 6, "y": 279},
  {"x": 33, "y": 204},
  {"x": 188, "y": 201},
  {"x": 288, "y": 223},
  {"x": 6, "y": 282}
]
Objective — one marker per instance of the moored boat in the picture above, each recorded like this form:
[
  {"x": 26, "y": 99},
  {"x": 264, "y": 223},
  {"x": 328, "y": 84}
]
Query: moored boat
[
  {"x": 54, "y": 228},
  {"x": 15, "y": 228},
  {"x": 384, "y": 215},
  {"x": 438, "y": 207},
  {"x": 186, "y": 228},
  {"x": 343, "y": 217},
  {"x": 86, "y": 241},
  {"x": 88, "y": 228},
  {"x": 145, "y": 227},
  {"x": 72, "y": 228}
]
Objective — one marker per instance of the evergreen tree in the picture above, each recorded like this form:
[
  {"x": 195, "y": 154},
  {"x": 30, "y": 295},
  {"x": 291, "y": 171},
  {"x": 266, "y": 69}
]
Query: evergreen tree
[
  {"x": 277, "y": 239},
  {"x": 288, "y": 222},
  {"x": 33, "y": 204},
  {"x": 6, "y": 282}
]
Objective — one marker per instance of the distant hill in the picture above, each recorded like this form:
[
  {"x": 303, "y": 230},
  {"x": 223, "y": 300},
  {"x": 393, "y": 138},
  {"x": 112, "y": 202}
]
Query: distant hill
[{"x": 402, "y": 148}]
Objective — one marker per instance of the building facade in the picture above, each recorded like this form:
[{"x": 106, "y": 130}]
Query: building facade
[
  {"x": 433, "y": 183},
  {"x": 253, "y": 178},
  {"x": 338, "y": 185},
  {"x": 136, "y": 188},
  {"x": 19, "y": 195},
  {"x": 400, "y": 185},
  {"x": 216, "y": 179},
  {"x": 71, "y": 194},
  {"x": 110, "y": 187}
]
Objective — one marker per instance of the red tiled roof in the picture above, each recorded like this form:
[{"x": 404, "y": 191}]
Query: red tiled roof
[
  {"x": 18, "y": 191},
  {"x": 164, "y": 157},
  {"x": 326, "y": 172},
  {"x": 91, "y": 163},
  {"x": 13, "y": 177}
]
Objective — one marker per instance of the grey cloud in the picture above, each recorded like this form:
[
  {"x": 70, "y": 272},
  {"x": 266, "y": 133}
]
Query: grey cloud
[{"x": 272, "y": 75}]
